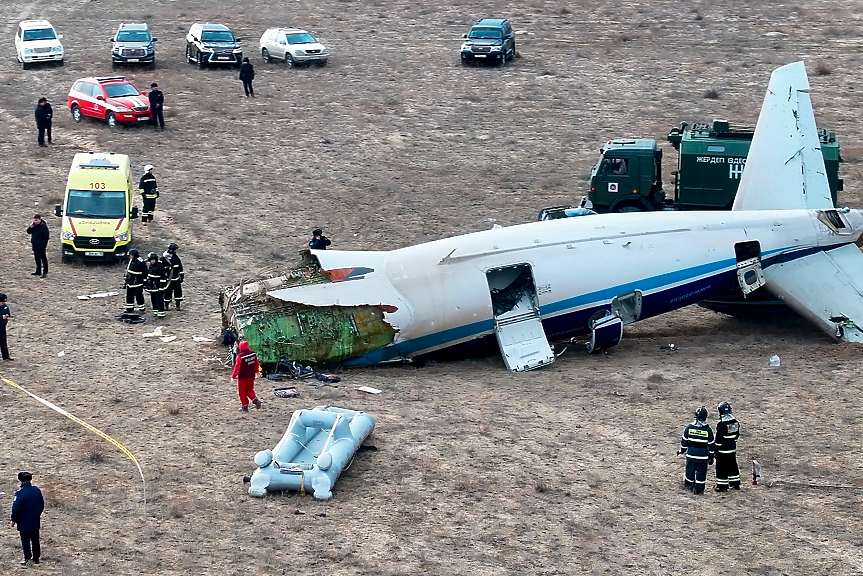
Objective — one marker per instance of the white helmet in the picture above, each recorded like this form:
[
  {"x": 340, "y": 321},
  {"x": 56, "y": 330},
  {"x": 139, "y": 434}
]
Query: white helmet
[{"x": 148, "y": 167}]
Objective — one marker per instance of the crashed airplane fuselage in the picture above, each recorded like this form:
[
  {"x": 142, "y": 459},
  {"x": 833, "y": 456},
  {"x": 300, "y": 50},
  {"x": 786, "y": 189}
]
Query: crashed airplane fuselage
[{"x": 549, "y": 280}]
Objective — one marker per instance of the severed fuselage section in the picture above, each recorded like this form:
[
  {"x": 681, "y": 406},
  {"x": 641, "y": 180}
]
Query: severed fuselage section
[{"x": 278, "y": 329}]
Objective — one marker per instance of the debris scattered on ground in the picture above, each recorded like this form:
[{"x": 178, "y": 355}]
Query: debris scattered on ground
[
  {"x": 369, "y": 389},
  {"x": 61, "y": 353},
  {"x": 97, "y": 295},
  {"x": 669, "y": 347},
  {"x": 774, "y": 360},
  {"x": 202, "y": 339},
  {"x": 298, "y": 511},
  {"x": 286, "y": 392},
  {"x": 156, "y": 332},
  {"x": 130, "y": 318},
  {"x": 168, "y": 338}
]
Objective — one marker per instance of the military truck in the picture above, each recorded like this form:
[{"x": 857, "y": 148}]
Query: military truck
[{"x": 711, "y": 159}]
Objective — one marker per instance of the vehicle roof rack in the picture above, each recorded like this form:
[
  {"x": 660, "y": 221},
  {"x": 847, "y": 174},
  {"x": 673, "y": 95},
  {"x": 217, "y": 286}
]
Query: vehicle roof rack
[
  {"x": 99, "y": 164},
  {"x": 106, "y": 78}
]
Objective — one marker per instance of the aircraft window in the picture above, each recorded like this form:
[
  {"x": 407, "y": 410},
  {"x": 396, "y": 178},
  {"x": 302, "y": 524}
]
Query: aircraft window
[
  {"x": 747, "y": 250},
  {"x": 617, "y": 166}
]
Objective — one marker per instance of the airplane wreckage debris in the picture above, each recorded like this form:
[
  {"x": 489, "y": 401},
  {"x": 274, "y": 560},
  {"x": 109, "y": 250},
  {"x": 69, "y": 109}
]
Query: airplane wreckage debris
[{"x": 277, "y": 329}]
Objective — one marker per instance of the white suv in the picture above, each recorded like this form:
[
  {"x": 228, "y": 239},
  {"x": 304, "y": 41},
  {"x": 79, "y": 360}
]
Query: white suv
[
  {"x": 293, "y": 46},
  {"x": 37, "y": 41}
]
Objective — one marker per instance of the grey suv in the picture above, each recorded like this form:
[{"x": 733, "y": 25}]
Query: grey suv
[
  {"x": 208, "y": 44},
  {"x": 489, "y": 39},
  {"x": 133, "y": 44}
]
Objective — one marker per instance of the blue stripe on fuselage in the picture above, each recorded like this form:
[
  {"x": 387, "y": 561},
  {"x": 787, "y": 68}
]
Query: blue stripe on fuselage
[{"x": 683, "y": 287}]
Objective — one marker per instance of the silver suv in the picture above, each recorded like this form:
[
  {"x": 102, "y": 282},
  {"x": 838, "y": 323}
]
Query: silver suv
[{"x": 133, "y": 44}]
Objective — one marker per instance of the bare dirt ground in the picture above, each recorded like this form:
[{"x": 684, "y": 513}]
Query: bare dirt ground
[{"x": 567, "y": 470}]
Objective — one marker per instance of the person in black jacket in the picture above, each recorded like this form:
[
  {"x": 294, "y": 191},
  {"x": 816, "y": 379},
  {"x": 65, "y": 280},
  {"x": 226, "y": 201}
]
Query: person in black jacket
[
  {"x": 157, "y": 104},
  {"x": 698, "y": 445},
  {"x": 44, "y": 114},
  {"x": 174, "y": 271},
  {"x": 156, "y": 282},
  {"x": 4, "y": 319},
  {"x": 136, "y": 274},
  {"x": 38, "y": 231},
  {"x": 319, "y": 241},
  {"x": 27, "y": 508},
  {"x": 727, "y": 434},
  {"x": 149, "y": 192},
  {"x": 247, "y": 74}
]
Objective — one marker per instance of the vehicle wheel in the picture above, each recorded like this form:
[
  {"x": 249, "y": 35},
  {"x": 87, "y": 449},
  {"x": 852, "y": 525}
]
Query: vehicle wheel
[
  {"x": 200, "y": 61},
  {"x": 464, "y": 61},
  {"x": 503, "y": 59},
  {"x": 113, "y": 65},
  {"x": 153, "y": 65},
  {"x": 512, "y": 58},
  {"x": 24, "y": 65},
  {"x": 265, "y": 54},
  {"x": 76, "y": 113},
  {"x": 188, "y": 54},
  {"x": 322, "y": 64},
  {"x": 629, "y": 208},
  {"x": 111, "y": 120},
  {"x": 289, "y": 60},
  {"x": 62, "y": 62}
]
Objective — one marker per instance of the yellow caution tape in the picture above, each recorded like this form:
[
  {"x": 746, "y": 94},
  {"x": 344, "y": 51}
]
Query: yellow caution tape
[{"x": 85, "y": 425}]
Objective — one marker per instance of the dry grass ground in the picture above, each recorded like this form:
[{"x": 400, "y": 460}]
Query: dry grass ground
[{"x": 569, "y": 470}]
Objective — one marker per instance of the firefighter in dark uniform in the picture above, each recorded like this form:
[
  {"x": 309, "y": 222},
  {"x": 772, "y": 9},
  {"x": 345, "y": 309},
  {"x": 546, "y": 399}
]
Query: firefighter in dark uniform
[
  {"x": 697, "y": 443},
  {"x": 727, "y": 434},
  {"x": 136, "y": 274},
  {"x": 157, "y": 279},
  {"x": 149, "y": 193},
  {"x": 174, "y": 270}
]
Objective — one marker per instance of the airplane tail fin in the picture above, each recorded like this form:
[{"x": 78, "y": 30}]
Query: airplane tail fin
[{"x": 785, "y": 166}]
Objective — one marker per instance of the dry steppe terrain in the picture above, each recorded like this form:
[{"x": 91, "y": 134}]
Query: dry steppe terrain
[{"x": 567, "y": 470}]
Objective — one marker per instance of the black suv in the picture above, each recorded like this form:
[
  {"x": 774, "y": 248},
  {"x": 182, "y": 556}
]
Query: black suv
[
  {"x": 489, "y": 39},
  {"x": 212, "y": 44}
]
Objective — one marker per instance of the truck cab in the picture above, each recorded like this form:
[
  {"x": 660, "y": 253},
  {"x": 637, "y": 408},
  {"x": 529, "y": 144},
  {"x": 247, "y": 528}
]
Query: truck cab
[
  {"x": 627, "y": 177},
  {"x": 97, "y": 208}
]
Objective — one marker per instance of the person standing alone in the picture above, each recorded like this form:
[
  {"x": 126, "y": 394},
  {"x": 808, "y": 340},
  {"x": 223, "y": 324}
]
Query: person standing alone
[
  {"x": 4, "y": 319},
  {"x": 247, "y": 74},
  {"x": 38, "y": 231},
  {"x": 245, "y": 371},
  {"x": 149, "y": 192},
  {"x": 157, "y": 105},
  {"x": 27, "y": 508},
  {"x": 44, "y": 114}
]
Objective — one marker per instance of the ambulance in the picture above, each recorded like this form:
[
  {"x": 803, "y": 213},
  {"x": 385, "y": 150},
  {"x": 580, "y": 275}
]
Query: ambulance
[{"x": 97, "y": 208}]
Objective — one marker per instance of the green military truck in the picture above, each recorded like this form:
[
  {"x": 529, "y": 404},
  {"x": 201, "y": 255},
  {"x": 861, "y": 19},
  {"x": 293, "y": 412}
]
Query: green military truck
[{"x": 711, "y": 158}]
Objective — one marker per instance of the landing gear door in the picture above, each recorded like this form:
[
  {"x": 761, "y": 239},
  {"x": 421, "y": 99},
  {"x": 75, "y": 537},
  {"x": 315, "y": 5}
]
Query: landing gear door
[
  {"x": 750, "y": 276},
  {"x": 518, "y": 327}
]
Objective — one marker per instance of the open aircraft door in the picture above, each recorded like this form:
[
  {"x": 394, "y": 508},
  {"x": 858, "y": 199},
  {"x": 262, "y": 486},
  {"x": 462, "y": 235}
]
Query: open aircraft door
[
  {"x": 750, "y": 277},
  {"x": 518, "y": 327}
]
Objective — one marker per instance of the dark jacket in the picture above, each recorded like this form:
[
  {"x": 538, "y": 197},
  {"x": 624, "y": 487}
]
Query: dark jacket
[
  {"x": 4, "y": 311},
  {"x": 247, "y": 71},
  {"x": 727, "y": 434},
  {"x": 149, "y": 186},
  {"x": 27, "y": 507},
  {"x": 319, "y": 243},
  {"x": 43, "y": 116},
  {"x": 136, "y": 273},
  {"x": 174, "y": 268},
  {"x": 38, "y": 235},
  {"x": 246, "y": 365},
  {"x": 157, "y": 99},
  {"x": 698, "y": 441},
  {"x": 156, "y": 277}
]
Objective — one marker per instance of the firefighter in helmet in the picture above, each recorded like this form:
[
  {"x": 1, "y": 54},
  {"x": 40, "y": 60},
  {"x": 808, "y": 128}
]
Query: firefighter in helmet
[
  {"x": 697, "y": 443},
  {"x": 157, "y": 279},
  {"x": 727, "y": 434},
  {"x": 136, "y": 275},
  {"x": 174, "y": 269}
]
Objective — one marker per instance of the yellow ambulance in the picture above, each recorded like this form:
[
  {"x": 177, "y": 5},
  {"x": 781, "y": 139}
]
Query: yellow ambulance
[{"x": 97, "y": 209}]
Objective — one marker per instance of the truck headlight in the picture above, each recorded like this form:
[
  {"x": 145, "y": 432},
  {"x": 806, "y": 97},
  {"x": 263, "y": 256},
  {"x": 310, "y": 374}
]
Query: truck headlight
[
  {"x": 496, "y": 48},
  {"x": 238, "y": 50},
  {"x": 123, "y": 109},
  {"x": 28, "y": 50},
  {"x": 122, "y": 237},
  {"x": 465, "y": 47},
  {"x": 324, "y": 51},
  {"x": 300, "y": 52},
  {"x": 67, "y": 235}
]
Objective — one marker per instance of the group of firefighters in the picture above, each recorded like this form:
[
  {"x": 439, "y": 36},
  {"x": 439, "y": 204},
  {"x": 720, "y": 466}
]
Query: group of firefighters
[
  {"x": 701, "y": 448},
  {"x": 161, "y": 277}
]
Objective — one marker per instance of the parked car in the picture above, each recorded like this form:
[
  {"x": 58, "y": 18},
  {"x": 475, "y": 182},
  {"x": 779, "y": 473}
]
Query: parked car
[
  {"x": 293, "y": 46},
  {"x": 37, "y": 41},
  {"x": 489, "y": 39},
  {"x": 212, "y": 44},
  {"x": 133, "y": 44},
  {"x": 112, "y": 99}
]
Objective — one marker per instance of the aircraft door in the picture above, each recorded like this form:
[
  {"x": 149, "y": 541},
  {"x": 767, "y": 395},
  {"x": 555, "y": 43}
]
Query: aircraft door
[
  {"x": 518, "y": 327},
  {"x": 750, "y": 276}
]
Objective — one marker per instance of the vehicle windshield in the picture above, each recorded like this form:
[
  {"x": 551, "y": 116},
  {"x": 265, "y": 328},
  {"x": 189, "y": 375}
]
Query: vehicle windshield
[
  {"x": 96, "y": 204},
  {"x": 485, "y": 33},
  {"x": 119, "y": 90},
  {"x": 41, "y": 34},
  {"x": 217, "y": 36},
  {"x": 304, "y": 38},
  {"x": 133, "y": 36}
]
